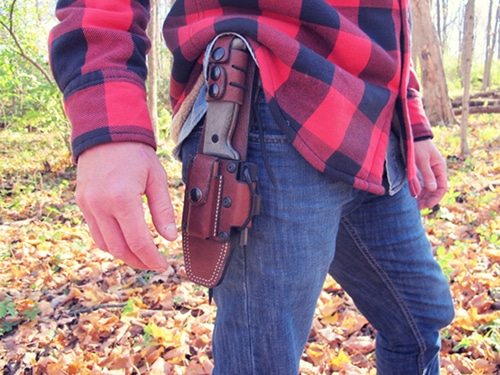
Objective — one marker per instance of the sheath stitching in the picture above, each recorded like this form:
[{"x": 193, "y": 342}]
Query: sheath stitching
[
  {"x": 217, "y": 208},
  {"x": 217, "y": 269}
]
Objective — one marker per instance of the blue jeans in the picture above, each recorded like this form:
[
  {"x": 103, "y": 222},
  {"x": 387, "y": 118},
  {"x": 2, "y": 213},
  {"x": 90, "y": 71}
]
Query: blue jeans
[{"x": 310, "y": 225}]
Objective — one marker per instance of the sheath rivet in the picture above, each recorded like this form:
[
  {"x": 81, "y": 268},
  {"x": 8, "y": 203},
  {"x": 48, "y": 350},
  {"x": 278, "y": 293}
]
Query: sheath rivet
[
  {"x": 213, "y": 91},
  {"x": 215, "y": 73},
  {"x": 224, "y": 236},
  {"x": 231, "y": 167},
  {"x": 227, "y": 202},
  {"x": 218, "y": 54},
  {"x": 195, "y": 195}
]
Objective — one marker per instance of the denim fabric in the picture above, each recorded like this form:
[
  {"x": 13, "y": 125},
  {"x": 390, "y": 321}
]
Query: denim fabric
[
  {"x": 395, "y": 171},
  {"x": 374, "y": 246}
]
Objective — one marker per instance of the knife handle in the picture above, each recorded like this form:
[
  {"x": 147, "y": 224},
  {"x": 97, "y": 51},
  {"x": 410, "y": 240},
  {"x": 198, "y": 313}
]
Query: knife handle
[{"x": 226, "y": 88}]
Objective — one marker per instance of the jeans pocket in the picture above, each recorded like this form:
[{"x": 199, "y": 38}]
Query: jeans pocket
[{"x": 267, "y": 129}]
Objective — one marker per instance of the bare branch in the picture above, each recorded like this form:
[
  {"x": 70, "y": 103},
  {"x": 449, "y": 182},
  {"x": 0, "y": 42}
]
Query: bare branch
[{"x": 20, "y": 50}]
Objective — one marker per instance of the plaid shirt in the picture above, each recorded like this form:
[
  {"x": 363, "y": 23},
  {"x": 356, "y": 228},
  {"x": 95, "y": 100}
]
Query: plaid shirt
[{"x": 333, "y": 73}]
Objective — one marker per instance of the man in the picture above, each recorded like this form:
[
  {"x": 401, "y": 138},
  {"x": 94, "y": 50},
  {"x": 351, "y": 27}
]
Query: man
[{"x": 344, "y": 141}]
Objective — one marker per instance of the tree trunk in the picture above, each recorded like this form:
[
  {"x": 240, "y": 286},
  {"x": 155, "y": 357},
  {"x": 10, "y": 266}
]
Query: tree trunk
[
  {"x": 491, "y": 34},
  {"x": 445, "y": 10},
  {"x": 433, "y": 79},
  {"x": 152, "y": 82},
  {"x": 438, "y": 21},
  {"x": 481, "y": 102},
  {"x": 497, "y": 31},
  {"x": 467, "y": 52}
]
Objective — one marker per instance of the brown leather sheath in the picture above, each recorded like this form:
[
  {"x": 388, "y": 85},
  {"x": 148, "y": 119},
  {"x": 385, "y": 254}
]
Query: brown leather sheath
[{"x": 221, "y": 195}]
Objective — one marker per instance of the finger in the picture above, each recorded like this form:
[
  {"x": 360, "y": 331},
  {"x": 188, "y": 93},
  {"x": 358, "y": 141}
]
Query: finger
[
  {"x": 91, "y": 223},
  {"x": 160, "y": 205},
  {"x": 116, "y": 244},
  {"x": 137, "y": 236},
  {"x": 441, "y": 176},
  {"x": 432, "y": 195},
  {"x": 427, "y": 199},
  {"x": 428, "y": 178},
  {"x": 96, "y": 233},
  {"x": 106, "y": 232}
]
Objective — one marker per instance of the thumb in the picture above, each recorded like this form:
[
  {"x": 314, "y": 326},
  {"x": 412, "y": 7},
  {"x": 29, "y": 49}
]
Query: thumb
[{"x": 160, "y": 205}]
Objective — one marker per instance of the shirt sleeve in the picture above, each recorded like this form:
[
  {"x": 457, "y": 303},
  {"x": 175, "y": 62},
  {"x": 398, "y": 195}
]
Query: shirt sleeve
[
  {"x": 98, "y": 59},
  {"x": 420, "y": 125}
]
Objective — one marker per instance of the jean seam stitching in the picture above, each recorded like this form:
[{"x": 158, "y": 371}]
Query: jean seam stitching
[
  {"x": 247, "y": 308},
  {"x": 387, "y": 281}
]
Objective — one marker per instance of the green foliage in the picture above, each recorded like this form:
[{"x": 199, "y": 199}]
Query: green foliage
[
  {"x": 444, "y": 259},
  {"x": 31, "y": 314},
  {"x": 149, "y": 335},
  {"x": 487, "y": 334},
  {"x": 454, "y": 80},
  {"x": 164, "y": 121},
  {"x": 29, "y": 99},
  {"x": 6, "y": 327},
  {"x": 7, "y": 307},
  {"x": 9, "y": 316},
  {"x": 129, "y": 308}
]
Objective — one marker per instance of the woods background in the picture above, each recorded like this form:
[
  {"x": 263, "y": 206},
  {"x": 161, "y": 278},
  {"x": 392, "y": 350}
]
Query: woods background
[
  {"x": 67, "y": 308},
  {"x": 457, "y": 54}
]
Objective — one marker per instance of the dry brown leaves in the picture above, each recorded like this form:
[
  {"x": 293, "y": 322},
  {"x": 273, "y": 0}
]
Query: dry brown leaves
[{"x": 68, "y": 308}]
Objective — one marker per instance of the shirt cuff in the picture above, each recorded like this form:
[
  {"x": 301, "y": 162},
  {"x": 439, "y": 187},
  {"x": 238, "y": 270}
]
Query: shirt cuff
[{"x": 114, "y": 111}]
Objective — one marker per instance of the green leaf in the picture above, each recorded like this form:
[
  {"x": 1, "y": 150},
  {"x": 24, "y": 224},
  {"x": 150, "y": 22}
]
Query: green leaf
[
  {"x": 129, "y": 308},
  {"x": 7, "y": 327},
  {"x": 7, "y": 307},
  {"x": 32, "y": 313}
]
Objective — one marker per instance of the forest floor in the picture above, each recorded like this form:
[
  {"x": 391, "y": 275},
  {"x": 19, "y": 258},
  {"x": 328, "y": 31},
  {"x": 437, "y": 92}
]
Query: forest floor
[{"x": 69, "y": 308}]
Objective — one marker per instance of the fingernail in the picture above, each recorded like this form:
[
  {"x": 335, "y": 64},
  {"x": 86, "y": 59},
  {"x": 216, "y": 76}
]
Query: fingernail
[
  {"x": 171, "y": 231},
  {"x": 164, "y": 265},
  {"x": 432, "y": 186}
]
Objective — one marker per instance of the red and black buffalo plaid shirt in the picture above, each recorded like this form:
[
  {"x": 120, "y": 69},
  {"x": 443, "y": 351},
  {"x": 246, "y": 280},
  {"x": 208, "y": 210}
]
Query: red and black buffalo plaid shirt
[{"x": 333, "y": 72}]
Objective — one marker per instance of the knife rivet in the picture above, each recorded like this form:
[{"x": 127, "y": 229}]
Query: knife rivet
[
  {"x": 215, "y": 138},
  {"x": 231, "y": 167},
  {"x": 218, "y": 54}
]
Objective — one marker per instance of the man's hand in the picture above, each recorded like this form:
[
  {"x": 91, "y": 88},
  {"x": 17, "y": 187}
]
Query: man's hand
[
  {"x": 432, "y": 167},
  {"x": 111, "y": 181}
]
